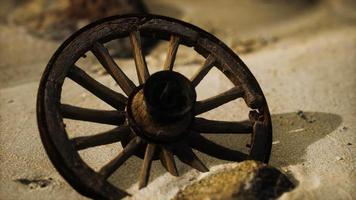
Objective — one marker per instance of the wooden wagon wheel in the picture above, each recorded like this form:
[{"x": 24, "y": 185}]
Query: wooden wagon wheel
[{"x": 155, "y": 120}]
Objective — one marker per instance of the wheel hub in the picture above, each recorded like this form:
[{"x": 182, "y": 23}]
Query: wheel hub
[{"x": 162, "y": 109}]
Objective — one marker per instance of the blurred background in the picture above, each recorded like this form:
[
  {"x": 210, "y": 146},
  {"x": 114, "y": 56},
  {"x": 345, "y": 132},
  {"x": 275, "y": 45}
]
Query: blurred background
[
  {"x": 302, "y": 52},
  {"x": 245, "y": 26}
]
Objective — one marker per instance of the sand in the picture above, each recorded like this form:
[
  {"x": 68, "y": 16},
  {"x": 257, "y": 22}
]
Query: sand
[{"x": 302, "y": 54}]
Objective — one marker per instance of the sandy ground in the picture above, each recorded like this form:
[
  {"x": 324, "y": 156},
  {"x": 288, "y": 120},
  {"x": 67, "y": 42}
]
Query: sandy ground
[{"x": 302, "y": 54}]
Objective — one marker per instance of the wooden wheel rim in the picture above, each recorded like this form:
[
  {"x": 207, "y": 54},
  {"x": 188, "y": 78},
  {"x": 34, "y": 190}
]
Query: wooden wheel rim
[{"x": 50, "y": 121}]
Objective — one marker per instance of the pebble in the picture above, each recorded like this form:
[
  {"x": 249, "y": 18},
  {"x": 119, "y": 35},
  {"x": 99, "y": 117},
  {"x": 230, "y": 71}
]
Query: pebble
[
  {"x": 302, "y": 115},
  {"x": 339, "y": 158},
  {"x": 344, "y": 128},
  {"x": 35, "y": 183}
]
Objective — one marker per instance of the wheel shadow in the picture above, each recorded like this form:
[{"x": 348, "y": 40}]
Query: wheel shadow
[{"x": 292, "y": 134}]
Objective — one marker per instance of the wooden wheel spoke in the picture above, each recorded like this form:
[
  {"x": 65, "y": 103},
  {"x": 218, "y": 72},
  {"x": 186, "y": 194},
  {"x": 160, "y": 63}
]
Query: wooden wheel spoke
[
  {"x": 202, "y": 125},
  {"x": 146, "y": 167},
  {"x": 127, "y": 152},
  {"x": 108, "y": 137},
  {"x": 187, "y": 156},
  {"x": 141, "y": 66},
  {"x": 102, "y": 54},
  {"x": 99, "y": 116},
  {"x": 106, "y": 94},
  {"x": 172, "y": 52},
  {"x": 218, "y": 100},
  {"x": 168, "y": 162},
  {"x": 203, "y": 71},
  {"x": 208, "y": 147}
]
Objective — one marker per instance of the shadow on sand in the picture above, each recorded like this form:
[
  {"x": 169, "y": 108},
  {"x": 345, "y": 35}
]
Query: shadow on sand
[{"x": 294, "y": 132}]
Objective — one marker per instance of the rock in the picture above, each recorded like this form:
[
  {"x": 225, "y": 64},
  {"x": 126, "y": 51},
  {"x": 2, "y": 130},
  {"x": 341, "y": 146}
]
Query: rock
[{"x": 248, "y": 180}]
